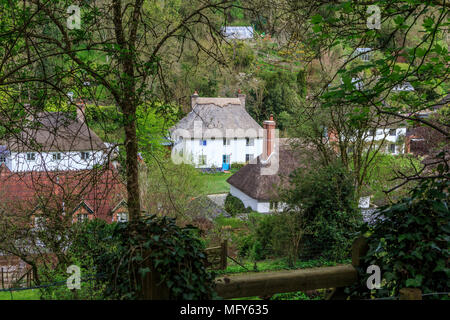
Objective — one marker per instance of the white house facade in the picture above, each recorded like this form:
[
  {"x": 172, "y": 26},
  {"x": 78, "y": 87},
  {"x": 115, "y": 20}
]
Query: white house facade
[
  {"x": 53, "y": 141},
  {"x": 393, "y": 139},
  {"x": 217, "y": 133}
]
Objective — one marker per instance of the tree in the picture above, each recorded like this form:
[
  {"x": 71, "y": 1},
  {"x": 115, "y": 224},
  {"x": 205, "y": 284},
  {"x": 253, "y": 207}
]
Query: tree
[
  {"x": 409, "y": 47},
  {"x": 326, "y": 210},
  {"x": 124, "y": 47}
]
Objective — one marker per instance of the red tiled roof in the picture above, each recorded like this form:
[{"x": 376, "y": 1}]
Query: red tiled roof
[{"x": 101, "y": 190}]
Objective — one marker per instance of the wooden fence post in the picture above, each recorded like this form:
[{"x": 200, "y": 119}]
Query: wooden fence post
[
  {"x": 224, "y": 254},
  {"x": 3, "y": 281},
  {"x": 359, "y": 249},
  {"x": 410, "y": 294}
]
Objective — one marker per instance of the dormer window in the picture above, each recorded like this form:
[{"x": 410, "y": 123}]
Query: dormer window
[
  {"x": 249, "y": 142},
  {"x": 85, "y": 155},
  {"x": 56, "y": 156},
  {"x": 31, "y": 156}
]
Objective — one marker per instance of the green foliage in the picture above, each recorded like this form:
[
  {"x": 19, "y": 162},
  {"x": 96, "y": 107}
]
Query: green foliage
[
  {"x": 242, "y": 55},
  {"x": 234, "y": 205},
  {"x": 324, "y": 200},
  {"x": 410, "y": 242},
  {"x": 282, "y": 93},
  {"x": 236, "y": 166},
  {"x": 157, "y": 244}
]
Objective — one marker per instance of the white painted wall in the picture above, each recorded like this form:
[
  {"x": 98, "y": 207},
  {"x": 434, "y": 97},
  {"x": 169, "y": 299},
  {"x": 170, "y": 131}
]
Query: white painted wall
[
  {"x": 388, "y": 139},
  {"x": 215, "y": 149},
  {"x": 17, "y": 162},
  {"x": 258, "y": 206}
]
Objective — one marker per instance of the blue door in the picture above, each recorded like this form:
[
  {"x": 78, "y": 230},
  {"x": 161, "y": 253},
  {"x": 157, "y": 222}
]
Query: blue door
[{"x": 225, "y": 162}]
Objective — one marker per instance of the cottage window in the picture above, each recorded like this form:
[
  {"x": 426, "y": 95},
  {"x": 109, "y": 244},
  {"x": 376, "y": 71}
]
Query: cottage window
[
  {"x": 82, "y": 217},
  {"x": 202, "y": 160},
  {"x": 85, "y": 155},
  {"x": 392, "y": 148},
  {"x": 392, "y": 132},
  {"x": 39, "y": 222},
  {"x": 57, "y": 156},
  {"x": 249, "y": 142},
  {"x": 31, "y": 156},
  {"x": 248, "y": 157},
  {"x": 373, "y": 132},
  {"x": 122, "y": 217},
  {"x": 202, "y": 142},
  {"x": 2, "y": 158},
  {"x": 226, "y": 142}
]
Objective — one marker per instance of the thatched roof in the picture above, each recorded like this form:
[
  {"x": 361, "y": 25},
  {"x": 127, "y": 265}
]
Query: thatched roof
[
  {"x": 55, "y": 131},
  {"x": 217, "y": 117},
  {"x": 251, "y": 180}
]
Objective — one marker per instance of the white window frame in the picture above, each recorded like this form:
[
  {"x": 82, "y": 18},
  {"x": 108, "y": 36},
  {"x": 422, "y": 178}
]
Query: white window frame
[
  {"x": 55, "y": 156},
  {"x": 249, "y": 142},
  {"x": 122, "y": 217},
  {"x": 395, "y": 148},
  {"x": 31, "y": 156},
  {"x": 83, "y": 155}
]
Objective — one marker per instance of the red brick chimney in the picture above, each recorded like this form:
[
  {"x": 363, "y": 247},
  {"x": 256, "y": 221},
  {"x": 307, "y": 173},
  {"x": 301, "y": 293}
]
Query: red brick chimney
[
  {"x": 81, "y": 109},
  {"x": 241, "y": 97},
  {"x": 194, "y": 99},
  {"x": 269, "y": 137}
]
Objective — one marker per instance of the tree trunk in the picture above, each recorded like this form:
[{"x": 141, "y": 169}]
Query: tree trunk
[{"x": 131, "y": 146}]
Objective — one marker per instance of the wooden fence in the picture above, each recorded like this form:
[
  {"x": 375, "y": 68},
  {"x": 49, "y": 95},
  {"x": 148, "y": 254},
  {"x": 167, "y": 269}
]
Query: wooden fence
[
  {"x": 269, "y": 283},
  {"x": 217, "y": 256},
  {"x": 14, "y": 276}
]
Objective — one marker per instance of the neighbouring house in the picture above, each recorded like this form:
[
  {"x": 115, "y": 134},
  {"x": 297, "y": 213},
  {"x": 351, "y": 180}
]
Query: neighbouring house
[
  {"x": 54, "y": 141},
  {"x": 216, "y": 133},
  {"x": 240, "y": 33},
  {"x": 391, "y": 134},
  {"x": 255, "y": 184},
  {"x": 424, "y": 140},
  {"x": 83, "y": 194}
]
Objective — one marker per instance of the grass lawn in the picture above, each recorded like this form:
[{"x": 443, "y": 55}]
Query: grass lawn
[
  {"x": 33, "y": 294},
  {"x": 215, "y": 182},
  {"x": 276, "y": 265}
]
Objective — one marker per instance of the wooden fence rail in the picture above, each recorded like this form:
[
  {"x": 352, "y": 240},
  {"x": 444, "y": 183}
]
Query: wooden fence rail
[{"x": 269, "y": 283}]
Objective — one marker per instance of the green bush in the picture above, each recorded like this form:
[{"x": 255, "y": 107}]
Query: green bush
[
  {"x": 410, "y": 243},
  {"x": 122, "y": 250},
  {"x": 324, "y": 203},
  {"x": 234, "y": 205},
  {"x": 237, "y": 165}
]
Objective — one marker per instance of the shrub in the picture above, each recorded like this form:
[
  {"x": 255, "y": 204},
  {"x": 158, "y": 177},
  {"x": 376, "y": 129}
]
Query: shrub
[
  {"x": 234, "y": 205},
  {"x": 410, "y": 243},
  {"x": 175, "y": 254},
  {"x": 324, "y": 204},
  {"x": 237, "y": 165}
]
